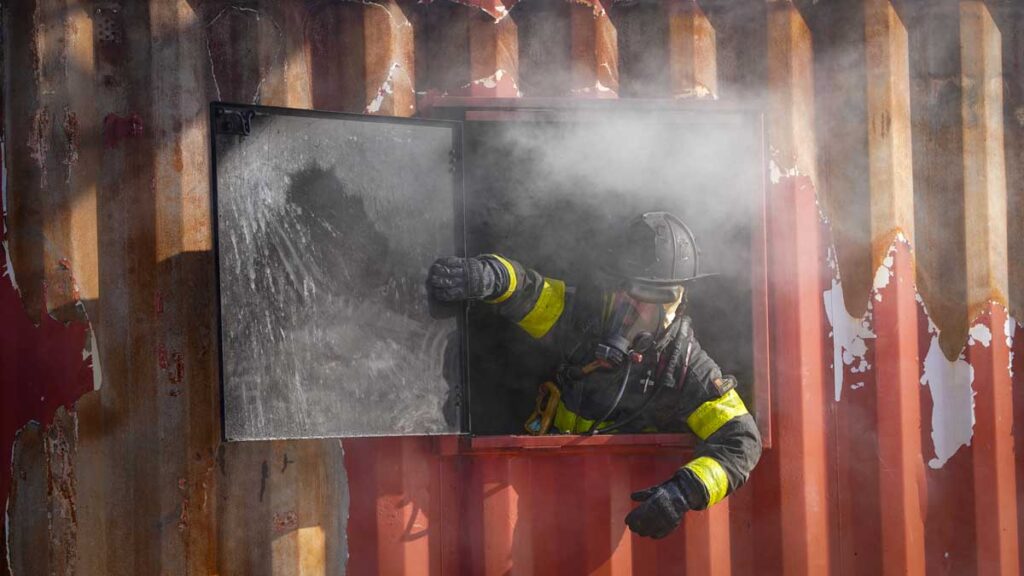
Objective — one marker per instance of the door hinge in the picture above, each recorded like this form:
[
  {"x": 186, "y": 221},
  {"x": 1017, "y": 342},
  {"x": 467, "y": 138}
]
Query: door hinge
[{"x": 234, "y": 121}]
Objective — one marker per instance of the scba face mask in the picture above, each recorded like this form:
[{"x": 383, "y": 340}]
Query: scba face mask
[{"x": 630, "y": 327}]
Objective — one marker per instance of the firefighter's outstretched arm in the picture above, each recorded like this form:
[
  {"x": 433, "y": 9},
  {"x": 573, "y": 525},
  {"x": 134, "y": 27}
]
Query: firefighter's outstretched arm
[
  {"x": 729, "y": 448},
  {"x": 522, "y": 295}
]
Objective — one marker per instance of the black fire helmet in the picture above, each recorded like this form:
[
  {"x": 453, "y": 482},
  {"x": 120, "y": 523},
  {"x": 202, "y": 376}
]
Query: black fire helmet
[{"x": 656, "y": 249}]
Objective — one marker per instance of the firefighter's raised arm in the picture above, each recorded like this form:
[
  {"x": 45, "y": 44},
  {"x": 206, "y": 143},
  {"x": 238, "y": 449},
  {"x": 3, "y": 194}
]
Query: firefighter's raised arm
[{"x": 535, "y": 303}]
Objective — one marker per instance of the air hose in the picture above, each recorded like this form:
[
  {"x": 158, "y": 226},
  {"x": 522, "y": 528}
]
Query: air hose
[
  {"x": 666, "y": 381},
  {"x": 615, "y": 404}
]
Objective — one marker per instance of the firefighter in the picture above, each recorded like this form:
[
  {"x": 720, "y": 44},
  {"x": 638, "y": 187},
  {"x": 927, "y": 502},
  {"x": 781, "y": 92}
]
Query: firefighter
[{"x": 630, "y": 361}]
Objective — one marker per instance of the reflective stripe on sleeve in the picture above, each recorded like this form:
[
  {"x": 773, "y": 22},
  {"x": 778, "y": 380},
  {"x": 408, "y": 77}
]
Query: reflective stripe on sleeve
[
  {"x": 712, "y": 476},
  {"x": 568, "y": 422},
  {"x": 512, "y": 281},
  {"x": 547, "y": 310},
  {"x": 713, "y": 414}
]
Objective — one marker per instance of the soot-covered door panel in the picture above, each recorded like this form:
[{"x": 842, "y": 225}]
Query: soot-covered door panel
[{"x": 325, "y": 226}]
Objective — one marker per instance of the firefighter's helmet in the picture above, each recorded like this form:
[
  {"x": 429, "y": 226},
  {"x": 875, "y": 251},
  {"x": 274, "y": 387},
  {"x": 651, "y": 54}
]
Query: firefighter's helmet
[{"x": 657, "y": 249}]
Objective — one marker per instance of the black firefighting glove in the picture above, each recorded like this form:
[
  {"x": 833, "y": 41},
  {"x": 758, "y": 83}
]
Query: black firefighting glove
[
  {"x": 452, "y": 279},
  {"x": 662, "y": 507}
]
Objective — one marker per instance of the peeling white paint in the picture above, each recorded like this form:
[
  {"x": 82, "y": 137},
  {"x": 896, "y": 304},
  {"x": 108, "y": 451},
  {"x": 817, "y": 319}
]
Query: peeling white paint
[
  {"x": 952, "y": 394},
  {"x": 493, "y": 80},
  {"x": 9, "y": 269},
  {"x": 1009, "y": 330},
  {"x": 850, "y": 334},
  {"x": 7, "y": 504},
  {"x": 386, "y": 89},
  {"x": 884, "y": 273},
  {"x": 598, "y": 9},
  {"x": 777, "y": 173},
  {"x": 950, "y": 384},
  {"x": 213, "y": 69},
  {"x": 92, "y": 350},
  {"x": 849, "y": 338},
  {"x": 698, "y": 92},
  {"x": 980, "y": 333},
  {"x": 499, "y": 14},
  {"x": 598, "y": 87}
]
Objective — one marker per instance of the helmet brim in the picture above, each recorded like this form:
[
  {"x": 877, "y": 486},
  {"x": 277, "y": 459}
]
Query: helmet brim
[{"x": 661, "y": 282}]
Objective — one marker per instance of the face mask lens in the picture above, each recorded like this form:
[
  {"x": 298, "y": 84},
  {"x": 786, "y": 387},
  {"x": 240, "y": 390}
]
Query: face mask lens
[{"x": 630, "y": 327}]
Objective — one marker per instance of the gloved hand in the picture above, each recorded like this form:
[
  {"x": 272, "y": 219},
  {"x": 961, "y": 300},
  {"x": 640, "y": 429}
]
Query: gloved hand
[
  {"x": 661, "y": 507},
  {"x": 453, "y": 279}
]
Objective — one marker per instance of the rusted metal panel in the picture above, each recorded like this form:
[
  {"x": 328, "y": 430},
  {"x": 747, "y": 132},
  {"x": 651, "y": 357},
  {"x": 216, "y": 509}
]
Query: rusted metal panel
[
  {"x": 693, "y": 64},
  {"x": 595, "y": 56},
  {"x": 936, "y": 93},
  {"x": 106, "y": 205},
  {"x": 798, "y": 352},
  {"x": 894, "y": 308},
  {"x": 790, "y": 91},
  {"x": 901, "y": 522}
]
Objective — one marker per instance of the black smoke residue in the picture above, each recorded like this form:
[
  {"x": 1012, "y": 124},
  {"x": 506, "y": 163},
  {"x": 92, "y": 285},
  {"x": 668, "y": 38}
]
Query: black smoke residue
[{"x": 343, "y": 241}]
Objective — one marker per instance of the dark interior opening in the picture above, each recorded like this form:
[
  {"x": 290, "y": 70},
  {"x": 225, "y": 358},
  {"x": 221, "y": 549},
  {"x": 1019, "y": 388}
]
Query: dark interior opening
[{"x": 551, "y": 191}]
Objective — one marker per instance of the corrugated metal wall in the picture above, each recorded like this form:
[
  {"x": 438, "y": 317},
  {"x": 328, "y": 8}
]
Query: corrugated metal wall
[{"x": 896, "y": 367}]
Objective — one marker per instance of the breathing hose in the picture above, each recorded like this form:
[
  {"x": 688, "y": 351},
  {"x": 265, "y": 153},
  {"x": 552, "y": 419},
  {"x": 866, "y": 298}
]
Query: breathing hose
[
  {"x": 673, "y": 362},
  {"x": 615, "y": 404}
]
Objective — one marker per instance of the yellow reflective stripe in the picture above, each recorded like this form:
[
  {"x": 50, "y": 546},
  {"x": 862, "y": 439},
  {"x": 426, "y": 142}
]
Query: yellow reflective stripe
[
  {"x": 512, "y": 281},
  {"x": 568, "y": 422},
  {"x": 547, "y": 310},
  {"x": 712, "y": 476},
  {"x": 565, "y": 419},
  {"x": 713, "y": 414},
  {"x": 607, "y": 308}
]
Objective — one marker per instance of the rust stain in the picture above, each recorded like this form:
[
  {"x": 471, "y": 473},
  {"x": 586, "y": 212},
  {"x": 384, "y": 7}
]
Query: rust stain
[
  {"x": 883, "y": 242},
  {"x": 117, "y": 128},
  {"x": 497, "y": 9},
  {"x": 38, "y": 143},
  {"x": 286, "y": 521},
  {"x": 881, "y": 125},
  {"x": 70, "y": 284},
  {"x": 976, "y": 310},
  {"x": 171, "y": 362},
  {"x": 183, "y": 515},
  {"x": 176, "y": 160},
  {"x": 158, "y": 302},
  {"x": 71, "y": 139},
  {"x": 177, "y": 374},
  {"x": 60, "y": 478}
]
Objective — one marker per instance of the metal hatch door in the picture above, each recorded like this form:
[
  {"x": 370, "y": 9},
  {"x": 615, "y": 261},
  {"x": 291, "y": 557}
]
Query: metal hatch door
[{"x": 325, "y": 226}]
